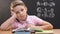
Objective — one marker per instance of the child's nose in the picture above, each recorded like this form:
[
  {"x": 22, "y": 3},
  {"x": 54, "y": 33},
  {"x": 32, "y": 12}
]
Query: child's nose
[{"x": 21, "y": 12}]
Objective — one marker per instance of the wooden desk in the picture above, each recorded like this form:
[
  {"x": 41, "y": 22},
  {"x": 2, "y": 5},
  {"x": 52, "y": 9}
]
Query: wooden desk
[
  {"x": 55, "y": 31},
  {"x": 5, "y": 32}
]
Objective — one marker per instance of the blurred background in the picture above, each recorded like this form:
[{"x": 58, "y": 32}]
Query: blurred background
[{"x": 48, "y": 10}]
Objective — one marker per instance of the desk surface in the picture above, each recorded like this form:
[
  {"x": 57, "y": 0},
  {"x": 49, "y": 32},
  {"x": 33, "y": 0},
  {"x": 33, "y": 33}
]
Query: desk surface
[
  {"x": 55, "y": 31},
  {"x": 5, "y": 32}
]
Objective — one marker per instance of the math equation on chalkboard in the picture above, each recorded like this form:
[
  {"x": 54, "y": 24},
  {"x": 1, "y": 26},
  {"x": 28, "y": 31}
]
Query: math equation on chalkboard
[{"x": 45, "y": 8}]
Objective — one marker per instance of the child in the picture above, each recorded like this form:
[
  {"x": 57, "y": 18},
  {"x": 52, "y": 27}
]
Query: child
[{"x": 20, "y": 19}]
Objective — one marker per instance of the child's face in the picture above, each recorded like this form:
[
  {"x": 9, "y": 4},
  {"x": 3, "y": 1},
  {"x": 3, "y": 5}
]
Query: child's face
[{"x": 21, "y": 11}]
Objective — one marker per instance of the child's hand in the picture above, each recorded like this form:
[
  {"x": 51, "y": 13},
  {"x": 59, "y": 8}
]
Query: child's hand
[{"x": 13, "y": 14}]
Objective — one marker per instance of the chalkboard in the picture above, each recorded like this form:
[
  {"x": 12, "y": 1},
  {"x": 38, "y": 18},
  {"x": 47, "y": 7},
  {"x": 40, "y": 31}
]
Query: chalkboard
[
  {"x": 47, "y": 10},
  {"x": 4, "y": 10}
]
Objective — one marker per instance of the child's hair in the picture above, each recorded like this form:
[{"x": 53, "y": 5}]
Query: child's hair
[{"x": 16, "y": 3}]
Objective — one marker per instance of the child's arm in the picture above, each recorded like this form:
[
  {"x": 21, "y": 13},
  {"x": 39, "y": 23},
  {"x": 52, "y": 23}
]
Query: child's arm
[
  {"x": 8, "y": 22},
  {"x": 40, "y": 24},
  {"x": 45, "y": 26}
]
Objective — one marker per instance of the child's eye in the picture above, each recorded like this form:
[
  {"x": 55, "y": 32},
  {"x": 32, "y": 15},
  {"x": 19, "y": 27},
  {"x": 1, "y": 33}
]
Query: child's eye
[
  {"x": 22, "y": 9},
  {"x": 17, "y": 12}
]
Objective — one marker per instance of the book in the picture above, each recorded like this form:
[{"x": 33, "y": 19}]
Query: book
[{"x": 44, "y": 32}]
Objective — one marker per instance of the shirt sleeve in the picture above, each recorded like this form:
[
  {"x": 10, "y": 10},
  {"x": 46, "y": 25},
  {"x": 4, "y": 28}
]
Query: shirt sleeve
[
  {"x": 14, "y": 25},
  {"x": 37, "y": 20}
]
